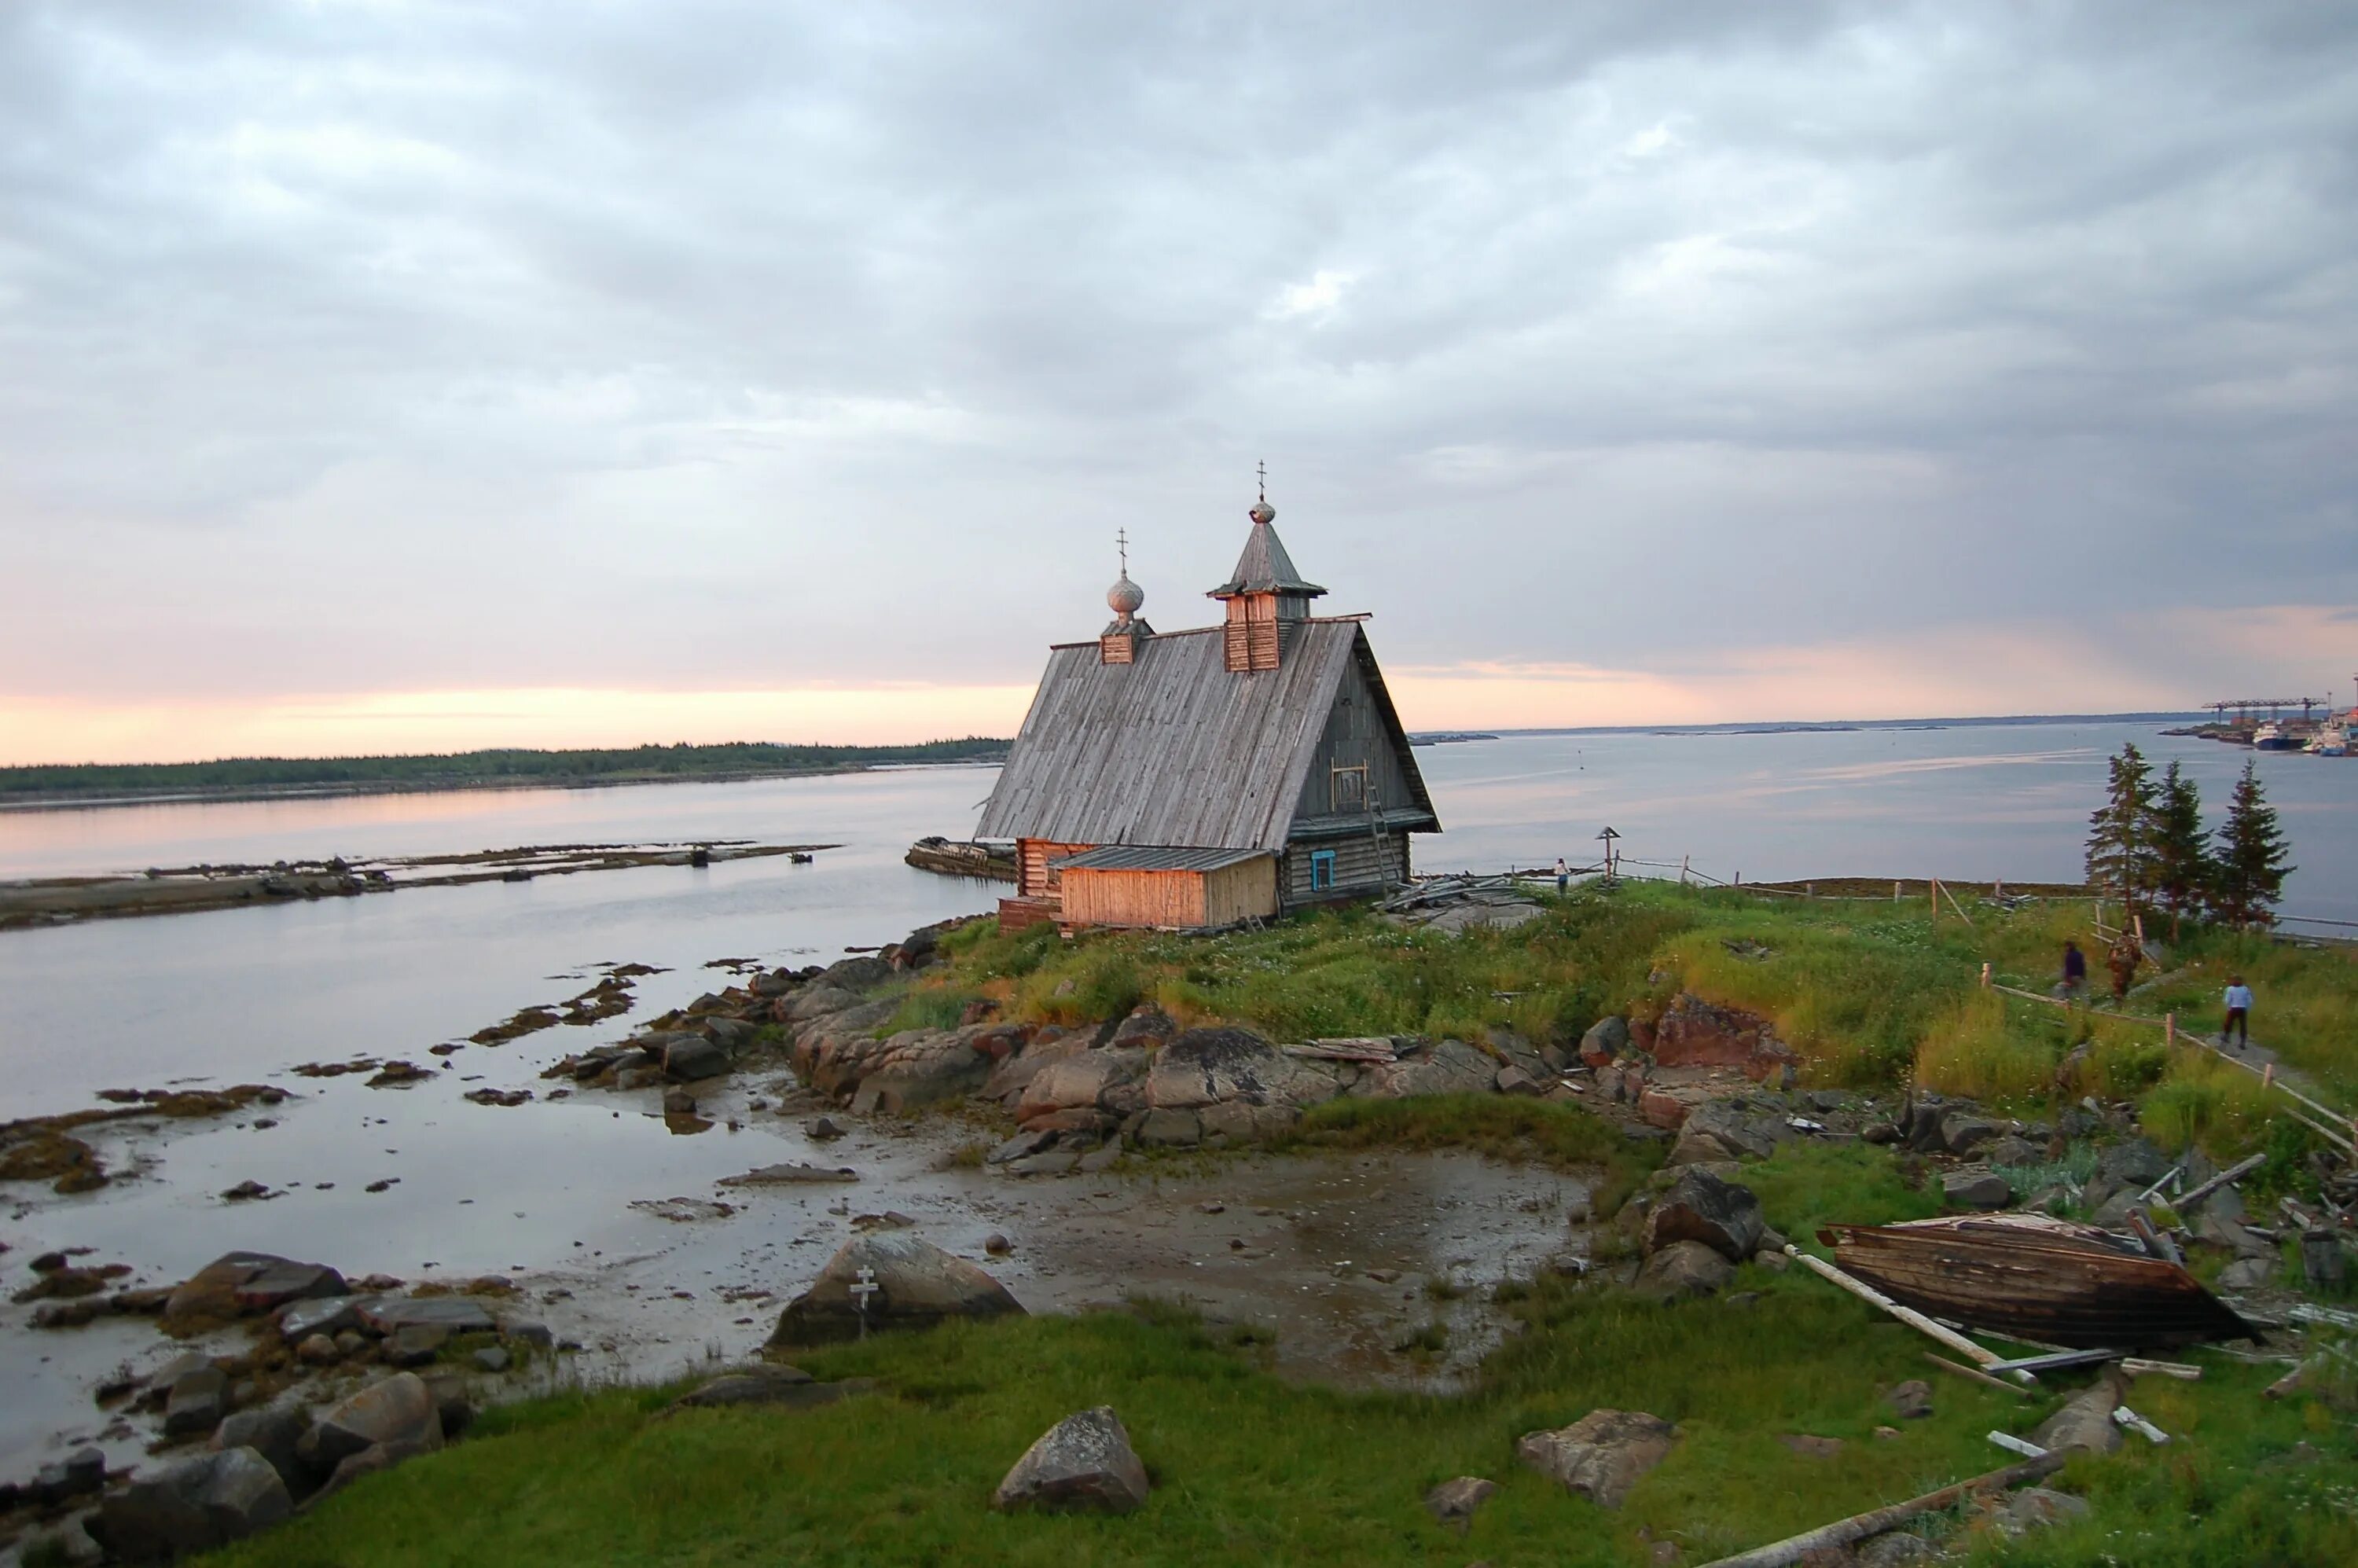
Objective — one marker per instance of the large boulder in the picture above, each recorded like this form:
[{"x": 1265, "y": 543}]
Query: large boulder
[
  {"x": 1083, "y": 1464},
  {"x": 197, "y": 1402},
  {"x": 1093, "y": 1080},
  {"x": 401, "y": 1410},
  {"x": 1693, "y": 1032},
  {"x": 1684, "y": 1269},
  {"x": 1699, "y": 1206},
  {"x": 389, "y": 1315},
  {"x": 918, "y": 1284},
  {"x": 1975, "y": 1189},
  {"x": 1601, "y": 1455},
  {"x": 274, "y": 1431},
  {"x": 237, "y": 1284},
  {"x": 1015, "y": 1072},
  {"x": 1606, "y": 1039},
  {"x": 857, "y": 973},
  {"x": 690, "y": 1057},
  {"x": 1717, "y": 1130},
  {"x": 1214, "y": 1066},
  {"x": 193, "y": 1507},
  {"x": 1441, "y": 1067},
  {"x": 817, "y": 1001}
]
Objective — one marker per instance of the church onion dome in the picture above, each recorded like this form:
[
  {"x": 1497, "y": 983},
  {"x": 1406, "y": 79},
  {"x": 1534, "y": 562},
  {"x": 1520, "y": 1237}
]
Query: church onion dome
[{"x": 1125, "y": 596}]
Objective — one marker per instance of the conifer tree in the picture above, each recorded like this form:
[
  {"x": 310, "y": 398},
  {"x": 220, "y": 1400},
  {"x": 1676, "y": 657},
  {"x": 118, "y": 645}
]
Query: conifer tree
[
  {"x": 2121, "y": 857},
  {"x": 2250, "y": 867},
  {"x": 2182, "y": 868}
]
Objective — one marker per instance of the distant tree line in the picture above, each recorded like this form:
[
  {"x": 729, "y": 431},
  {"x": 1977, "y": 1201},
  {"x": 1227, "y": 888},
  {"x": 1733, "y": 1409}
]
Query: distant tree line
[
  {"x": 458, "y": 769},
  {"x": 2146, "y": 847}
]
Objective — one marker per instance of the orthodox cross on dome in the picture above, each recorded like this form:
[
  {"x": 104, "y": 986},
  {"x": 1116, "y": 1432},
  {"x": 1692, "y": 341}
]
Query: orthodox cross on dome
[
  {"x": 1122, "y": 543},
  {"x": 1261, "y": 511}
]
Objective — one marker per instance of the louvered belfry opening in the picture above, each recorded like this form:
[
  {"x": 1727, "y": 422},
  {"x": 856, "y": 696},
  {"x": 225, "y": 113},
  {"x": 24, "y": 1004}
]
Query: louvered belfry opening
[
  {"x": 1253, "y": 633},
  {"x": 1266, "y": 598}
]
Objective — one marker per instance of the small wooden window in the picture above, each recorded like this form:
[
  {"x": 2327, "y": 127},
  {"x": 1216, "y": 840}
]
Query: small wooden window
[
  {"x": 1322, "y": 870},
  {"x": 1346, "y": 788}
]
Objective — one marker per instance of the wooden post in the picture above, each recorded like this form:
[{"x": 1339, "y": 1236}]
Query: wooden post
[
  {"x": 2169, "y": 1031},
  {"x": 1682, "y": 871},
  {"x": 2269, "y": 1077},
  {"x": 1909, "y": 1316},
  {"x": 1986, "y": 974},
  {"x": 1935, "y": 894}
]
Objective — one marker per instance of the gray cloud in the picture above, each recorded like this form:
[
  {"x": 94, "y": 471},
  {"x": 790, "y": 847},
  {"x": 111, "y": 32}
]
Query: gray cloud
[{"x": 722, "y": 344}]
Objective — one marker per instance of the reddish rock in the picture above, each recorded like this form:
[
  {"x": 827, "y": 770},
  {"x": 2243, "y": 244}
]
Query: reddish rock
[
  {"x": 1697, "y": 1033},
  {"x": 1661, "y": 1109}
]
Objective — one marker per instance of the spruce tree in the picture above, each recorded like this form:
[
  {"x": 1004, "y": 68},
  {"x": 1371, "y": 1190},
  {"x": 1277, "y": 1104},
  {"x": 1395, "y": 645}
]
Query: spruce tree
[
  {"x": 2250, "y": 865},
  {"x": 2183, "y": 869},
  {"x": 2120, "y": 835}
]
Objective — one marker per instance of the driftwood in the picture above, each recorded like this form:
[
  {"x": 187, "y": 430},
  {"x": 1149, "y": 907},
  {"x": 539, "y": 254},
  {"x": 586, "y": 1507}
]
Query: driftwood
[
  {"x": 2234, "y": 1173},
  {"x": 2180, "y": 1371},
  {"x": 1858, "y": 1527},
  {"x": 1909, "y": 1316},
  {"x": 1970, "y": 1375}
]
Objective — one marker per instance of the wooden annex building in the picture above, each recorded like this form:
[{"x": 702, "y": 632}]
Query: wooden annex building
[{"x": 1194, "y": 780}]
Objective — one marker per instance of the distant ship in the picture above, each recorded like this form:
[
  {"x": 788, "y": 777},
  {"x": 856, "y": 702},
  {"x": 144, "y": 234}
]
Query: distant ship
[
  {"x": 2332, "y": 739},
  {"x": 2270, "y": 736}
]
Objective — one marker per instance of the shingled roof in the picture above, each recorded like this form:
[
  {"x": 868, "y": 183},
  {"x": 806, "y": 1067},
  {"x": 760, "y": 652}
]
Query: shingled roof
[
  {"x": 1177, "y": 749},
  {"x": 1265, "y": 568}
]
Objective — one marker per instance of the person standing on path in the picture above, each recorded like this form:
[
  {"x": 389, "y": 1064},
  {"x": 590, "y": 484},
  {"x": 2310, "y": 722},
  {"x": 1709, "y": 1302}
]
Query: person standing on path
[
  {"x": 2076, "y": 972},
  {"x": 1563, "y": 877},
  {"x": 2127, "y": 954},
  {"x": 2239, "y": 1013}
]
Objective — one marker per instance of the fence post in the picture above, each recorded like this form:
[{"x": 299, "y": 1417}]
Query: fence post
[
  {"x": 1895, "y": 892},
  {"x": 2269, "y": 1077},
  {"x": 2169, "y": 1031},
  {"x": 1986, "y": 974}
]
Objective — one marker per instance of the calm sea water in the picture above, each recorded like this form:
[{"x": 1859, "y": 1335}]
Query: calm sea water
[{"x": 246, "y": 991}]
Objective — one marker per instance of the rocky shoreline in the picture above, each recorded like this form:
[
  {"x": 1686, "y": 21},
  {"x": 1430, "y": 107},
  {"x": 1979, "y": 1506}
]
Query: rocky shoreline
[{"x": 59, "y": 900}]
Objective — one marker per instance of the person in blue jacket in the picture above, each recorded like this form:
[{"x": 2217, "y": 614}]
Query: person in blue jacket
[{"x": 2239, "y": 1013}]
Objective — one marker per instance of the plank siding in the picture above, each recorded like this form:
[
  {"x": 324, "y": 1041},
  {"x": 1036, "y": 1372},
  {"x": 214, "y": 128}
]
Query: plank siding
[
  {"x": 1362, "y": 866},
  {"x": 1356, "y": 736},
  {"x": 1241, "y": 893},
  {"x": 1179, "y": 900},
  {"x": 1134, "y": 898}
]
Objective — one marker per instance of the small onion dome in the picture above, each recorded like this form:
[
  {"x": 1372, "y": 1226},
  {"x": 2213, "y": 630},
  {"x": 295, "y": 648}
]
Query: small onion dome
[
  {"x": 1262, "y": 512},
  {"x": 1125, "y": 595}
]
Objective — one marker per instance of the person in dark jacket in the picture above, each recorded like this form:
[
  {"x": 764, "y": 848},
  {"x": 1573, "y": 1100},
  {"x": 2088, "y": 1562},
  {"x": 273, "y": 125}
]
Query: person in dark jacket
[{"x": 2076, "y": 972}]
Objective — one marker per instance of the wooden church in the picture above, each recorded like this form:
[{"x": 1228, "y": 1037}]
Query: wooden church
[{"x": 1193, "y": 780}]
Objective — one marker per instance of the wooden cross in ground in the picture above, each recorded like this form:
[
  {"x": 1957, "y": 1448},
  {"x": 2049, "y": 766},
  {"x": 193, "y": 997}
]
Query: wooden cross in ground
[{"x": 866, "y": 1287}]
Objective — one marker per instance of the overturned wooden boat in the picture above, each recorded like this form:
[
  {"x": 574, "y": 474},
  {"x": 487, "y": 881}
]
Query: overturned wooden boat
[{"x": 2037, "y": 1278}]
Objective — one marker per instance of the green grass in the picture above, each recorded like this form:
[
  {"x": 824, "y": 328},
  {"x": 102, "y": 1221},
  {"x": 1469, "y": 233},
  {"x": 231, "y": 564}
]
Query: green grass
[
  {"x": 1252, "y": 1468},
  {"x": 1868, "y": 991}
]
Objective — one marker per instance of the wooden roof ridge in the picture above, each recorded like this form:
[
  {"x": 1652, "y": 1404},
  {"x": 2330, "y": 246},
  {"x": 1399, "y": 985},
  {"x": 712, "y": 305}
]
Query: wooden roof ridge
[{"x": 1356, "y": 616}]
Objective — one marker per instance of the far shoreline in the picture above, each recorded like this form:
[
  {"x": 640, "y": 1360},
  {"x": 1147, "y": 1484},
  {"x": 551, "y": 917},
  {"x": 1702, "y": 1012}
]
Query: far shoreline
[{"x": 58, "y": 800}]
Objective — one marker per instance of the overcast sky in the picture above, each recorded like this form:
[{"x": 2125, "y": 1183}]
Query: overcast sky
[{"x": 386, "y": 375}]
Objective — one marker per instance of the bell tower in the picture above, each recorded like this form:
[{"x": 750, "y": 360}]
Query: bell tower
[{"x": 1266, "y": 598}]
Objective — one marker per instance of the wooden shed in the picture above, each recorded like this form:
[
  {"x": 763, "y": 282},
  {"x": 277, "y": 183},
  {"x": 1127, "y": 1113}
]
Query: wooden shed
[
  {"x": 1182, "y": 890},
  {"x": 1198, "y": 778}
]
